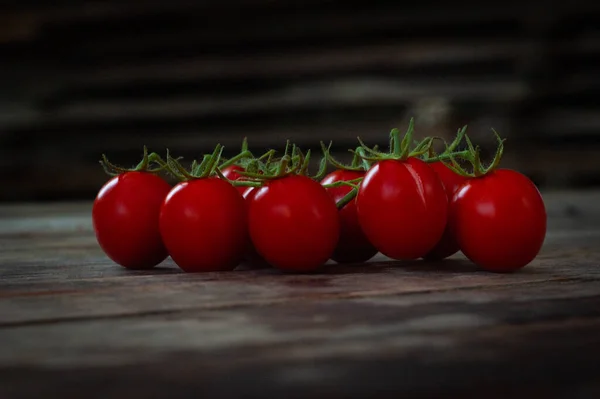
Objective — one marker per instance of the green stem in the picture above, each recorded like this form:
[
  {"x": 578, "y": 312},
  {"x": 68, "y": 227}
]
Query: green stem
[
  {"x": 371, "y": 158},
  {"x": 499, "y": 152},
  {"x": 337, "y": 164},
  {"x": 478, "y": 169},
  {"x": 322, "y": 169},
  {"x": 369, "y": 150},
  {"x": 143, "y": 165},
  {"x": 459, "y": 137},
  {"x": 347, "y": 198},
  {"x": 269, "y": 154},
  {"x": 213, "y": 162},
  {"x": 176, "y": 169},
  {"x": 449, "y": 156},
  {"x": 395, "y": 142},
  {"x": 283, "y": 164},
  {"x": 422, "y": 148},
  {"x": 238, "y": 183},
  {"x": 200, "y": 167},
  {"x": 340, "y": 183},
  {"x": 473, "y": 156},
  {"x": 407, "y": 140},
  {"x": 155, "y": 158},
  {"x": 366, "y": 165},
  {"x": 356, "y": 160},
  {"x": 305, "y": 163},
  {"x": 235, "y": 159}
]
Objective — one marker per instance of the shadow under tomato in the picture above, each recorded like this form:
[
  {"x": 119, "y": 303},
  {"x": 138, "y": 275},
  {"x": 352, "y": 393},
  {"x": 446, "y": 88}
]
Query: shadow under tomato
[
  {"x": 382, "y": 265},
  {"x": 442, "y": 266},
  {"x": 379, "y": 265},
  {"x": 165, "y": 267},
  {"x": 157, "y": 270},
  {"x": 353, "y": 268},
  {"x": 457, "y": 266},
  {"x": 252, "y": 266}
]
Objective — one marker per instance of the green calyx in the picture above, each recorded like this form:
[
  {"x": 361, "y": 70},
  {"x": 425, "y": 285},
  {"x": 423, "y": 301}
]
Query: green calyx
[
  {"x": 198, "y": 170},
  {"x": 248, "y": 162},
  {"x": 360, "y": 161},
  {"x": 293, "y": 162},
  {"x": 150, "y": 163},
  {"x": 240, "y": 159},
  {"x": 208, "y": 167},
  {"x": 401, "y": 148},
  {"x": 450, "y": 150},
  {"x": 472, "y": 155}
]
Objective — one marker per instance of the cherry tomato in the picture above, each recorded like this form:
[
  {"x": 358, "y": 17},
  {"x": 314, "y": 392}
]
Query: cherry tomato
[
  {"x": 499, "y": 220},
  {"x": 294, "y": 223},
  {"x": 125, "y": 219},
  {"x": 203, "y": 225},
  {"x": 402, "y": 208},
  {"x": 452, "y": 181},
  {"x": 353, "y": 245},
  {"x": 231, "y": 172},
  {"x": 252, "y": 257},
  {"x": 249, "y": 193}
]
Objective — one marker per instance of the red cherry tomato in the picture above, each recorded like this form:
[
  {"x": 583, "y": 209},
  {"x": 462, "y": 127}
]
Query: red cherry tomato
[
  {"x": 125, "y": 219},
  {"x": 353, "y": 245},
  {"x": 252, "y": 257},
  {"x": 231, "y": 172},
  {"x": 452, "y": 182},
  {"x": 294, "y": 223},
  {"x": 203, "y": 225},
  {"x": 402, "y": 208},
  {"x": 249, "y": 193},
  {"x": 499, "y": 220}
]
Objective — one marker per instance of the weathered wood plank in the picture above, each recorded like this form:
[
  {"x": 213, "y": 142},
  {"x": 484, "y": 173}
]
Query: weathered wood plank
[
  {"x": 52, "y": 269},
  {"x": 69, "y": 297},
  {"x": 71, "y": 321},
  {"x": 426, "y": 345},
  {"x": 316, "y": 323}
]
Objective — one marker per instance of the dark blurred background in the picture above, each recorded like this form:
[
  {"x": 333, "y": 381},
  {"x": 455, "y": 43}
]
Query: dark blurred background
[{"x": 79, "y": 78}]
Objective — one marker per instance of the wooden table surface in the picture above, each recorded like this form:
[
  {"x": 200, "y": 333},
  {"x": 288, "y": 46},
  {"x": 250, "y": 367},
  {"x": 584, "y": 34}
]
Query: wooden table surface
[{"x": 72, "y": 324}]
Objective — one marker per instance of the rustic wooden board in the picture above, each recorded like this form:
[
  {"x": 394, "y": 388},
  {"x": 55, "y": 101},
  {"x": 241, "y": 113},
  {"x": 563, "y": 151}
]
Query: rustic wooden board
[{"x": 73, "y": 324}]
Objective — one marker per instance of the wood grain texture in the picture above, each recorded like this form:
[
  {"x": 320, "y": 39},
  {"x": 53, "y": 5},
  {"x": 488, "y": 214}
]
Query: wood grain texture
[{"x": 72, "y": 323}]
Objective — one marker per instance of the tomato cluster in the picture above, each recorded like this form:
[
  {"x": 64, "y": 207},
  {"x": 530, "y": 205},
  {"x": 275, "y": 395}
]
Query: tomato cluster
[{"x": 407, "y": 203}]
